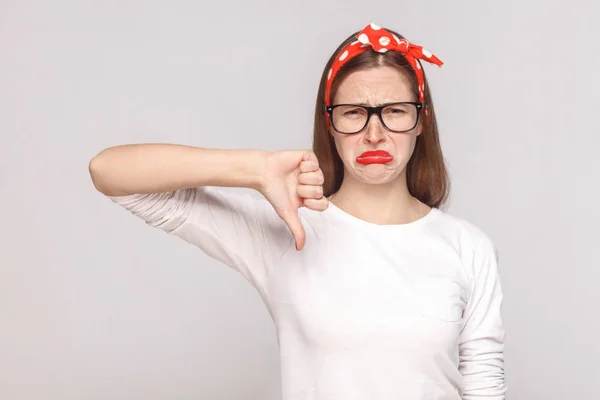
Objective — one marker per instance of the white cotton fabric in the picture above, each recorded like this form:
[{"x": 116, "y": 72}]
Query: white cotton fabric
[{"x": 364, "y": 311}]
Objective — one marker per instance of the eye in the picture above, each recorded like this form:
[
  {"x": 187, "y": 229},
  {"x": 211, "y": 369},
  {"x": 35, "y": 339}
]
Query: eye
[
  {"x": 396, "y": 110},
  {"x": 350, "y": 112},
  {"x": 355, "y": 111}
]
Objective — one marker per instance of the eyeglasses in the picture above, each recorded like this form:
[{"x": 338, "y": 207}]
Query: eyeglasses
[{"x": 396, "y": 117}]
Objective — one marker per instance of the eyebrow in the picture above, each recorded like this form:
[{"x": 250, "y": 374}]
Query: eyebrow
[{"x": 378, "y": 105}]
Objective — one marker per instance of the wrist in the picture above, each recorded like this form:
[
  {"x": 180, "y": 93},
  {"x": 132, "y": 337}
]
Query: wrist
[{"x": 256, "y": 167}]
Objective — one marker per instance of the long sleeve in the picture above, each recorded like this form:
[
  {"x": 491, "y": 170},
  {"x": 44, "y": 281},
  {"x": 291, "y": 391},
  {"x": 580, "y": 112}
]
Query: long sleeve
[
  {"x": 236, "y": 229},
  {"x": 481, "y": 346}
]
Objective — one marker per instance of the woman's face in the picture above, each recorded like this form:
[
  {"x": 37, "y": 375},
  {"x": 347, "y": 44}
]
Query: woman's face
[{"x": 374, "y": 87}]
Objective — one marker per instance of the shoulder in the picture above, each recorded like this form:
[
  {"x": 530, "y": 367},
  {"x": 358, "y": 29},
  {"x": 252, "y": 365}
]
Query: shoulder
[
  {"x": 474, "y": 246},
  {"x": 462, "y": 230}
]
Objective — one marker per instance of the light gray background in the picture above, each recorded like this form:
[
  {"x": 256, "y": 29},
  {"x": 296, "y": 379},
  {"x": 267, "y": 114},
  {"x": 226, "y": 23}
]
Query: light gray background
[{"x": 96, "y": 305}]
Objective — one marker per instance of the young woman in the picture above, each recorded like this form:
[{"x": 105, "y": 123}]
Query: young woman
[{"x": 375, "y": 292}]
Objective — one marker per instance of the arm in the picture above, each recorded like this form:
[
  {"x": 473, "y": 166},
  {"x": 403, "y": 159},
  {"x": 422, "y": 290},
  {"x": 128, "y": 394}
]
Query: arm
[
  {"x": 481, "y": 347},
  {"x": 171, "y": 187},
  {"x": 159, "y": 168},
  {"x": 240, "y": 231}
]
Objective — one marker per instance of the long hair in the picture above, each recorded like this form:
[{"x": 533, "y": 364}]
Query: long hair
[{"x": 426, "y": 174}]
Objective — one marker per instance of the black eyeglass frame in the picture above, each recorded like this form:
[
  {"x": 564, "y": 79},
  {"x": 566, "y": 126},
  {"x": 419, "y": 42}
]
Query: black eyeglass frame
[{"x": 375, "y": 110}]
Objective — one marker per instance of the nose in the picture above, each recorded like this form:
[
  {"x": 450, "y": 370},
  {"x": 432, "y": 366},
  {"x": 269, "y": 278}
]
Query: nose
[{"x": 374, "y": 131}]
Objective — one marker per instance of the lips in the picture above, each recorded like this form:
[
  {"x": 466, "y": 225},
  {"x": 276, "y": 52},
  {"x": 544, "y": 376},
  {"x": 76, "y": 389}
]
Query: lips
[{"x": 374, "y": 157}]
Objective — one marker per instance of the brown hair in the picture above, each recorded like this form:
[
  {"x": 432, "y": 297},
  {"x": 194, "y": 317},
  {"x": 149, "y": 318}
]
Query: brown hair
[{"x": 426, "y": 174}]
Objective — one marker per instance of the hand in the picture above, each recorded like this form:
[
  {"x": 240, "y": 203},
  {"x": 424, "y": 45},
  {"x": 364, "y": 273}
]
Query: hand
[{"x": 293, "y": 179}]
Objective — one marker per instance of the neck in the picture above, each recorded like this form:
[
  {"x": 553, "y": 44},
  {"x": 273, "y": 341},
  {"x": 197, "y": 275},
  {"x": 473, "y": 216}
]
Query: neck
[{"x": 384, "y": 204}]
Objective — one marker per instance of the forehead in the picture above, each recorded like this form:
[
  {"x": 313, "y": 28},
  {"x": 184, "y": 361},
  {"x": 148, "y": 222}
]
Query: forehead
[{"x": 374, "y": 86}]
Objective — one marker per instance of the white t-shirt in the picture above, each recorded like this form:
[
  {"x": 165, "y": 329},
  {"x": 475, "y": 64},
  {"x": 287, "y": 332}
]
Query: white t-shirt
[{"x": 363, "y": 311}]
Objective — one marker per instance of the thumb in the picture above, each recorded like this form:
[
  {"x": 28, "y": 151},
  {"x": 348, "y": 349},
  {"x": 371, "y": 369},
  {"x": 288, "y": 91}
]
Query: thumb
[{"x": 292, "y": 220}]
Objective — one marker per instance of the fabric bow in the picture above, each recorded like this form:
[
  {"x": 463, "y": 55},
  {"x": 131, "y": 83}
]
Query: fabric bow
[{"x": 380, "y": 40}]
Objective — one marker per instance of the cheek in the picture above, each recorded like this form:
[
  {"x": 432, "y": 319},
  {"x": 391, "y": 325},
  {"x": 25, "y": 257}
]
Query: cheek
[
  {"x": 404, "y": 143},
  {"x": 345, "y": 146}
]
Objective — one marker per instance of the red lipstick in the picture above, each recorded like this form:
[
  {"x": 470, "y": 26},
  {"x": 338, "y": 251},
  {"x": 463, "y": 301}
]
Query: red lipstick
[{"x": 374, "y": 157}]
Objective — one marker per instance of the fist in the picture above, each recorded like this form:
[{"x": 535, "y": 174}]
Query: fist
[{"x": 293, "y": 179}]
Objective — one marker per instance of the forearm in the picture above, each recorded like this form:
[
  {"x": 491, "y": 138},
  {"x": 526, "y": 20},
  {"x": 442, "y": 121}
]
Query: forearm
[{"x": 156, "y": 168}]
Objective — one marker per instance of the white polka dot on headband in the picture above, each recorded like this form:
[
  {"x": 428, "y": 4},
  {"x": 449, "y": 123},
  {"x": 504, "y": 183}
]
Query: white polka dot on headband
[{"x": 375, "y": 38}]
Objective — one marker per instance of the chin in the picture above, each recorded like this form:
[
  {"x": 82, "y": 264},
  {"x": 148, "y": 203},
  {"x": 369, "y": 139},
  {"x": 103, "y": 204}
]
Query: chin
[{"x": 377, "y": 174}]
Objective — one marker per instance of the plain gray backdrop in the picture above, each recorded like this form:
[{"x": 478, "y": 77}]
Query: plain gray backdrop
[{"x": 96, "y": 305}]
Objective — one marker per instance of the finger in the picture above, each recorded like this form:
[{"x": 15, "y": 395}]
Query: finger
[
  {"x": 292, "y": 220},
  {"x": 309, "y": 155},
  {"x": 309, "y": 166},
  {"x": 311, "y": 178},
  {"x": 310, "y": 191},
  {"x": 317, "y": 204}
]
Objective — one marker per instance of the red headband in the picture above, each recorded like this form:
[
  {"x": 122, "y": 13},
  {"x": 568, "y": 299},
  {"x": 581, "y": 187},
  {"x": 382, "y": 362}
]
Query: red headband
[{"x": 380, "y": 40}]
